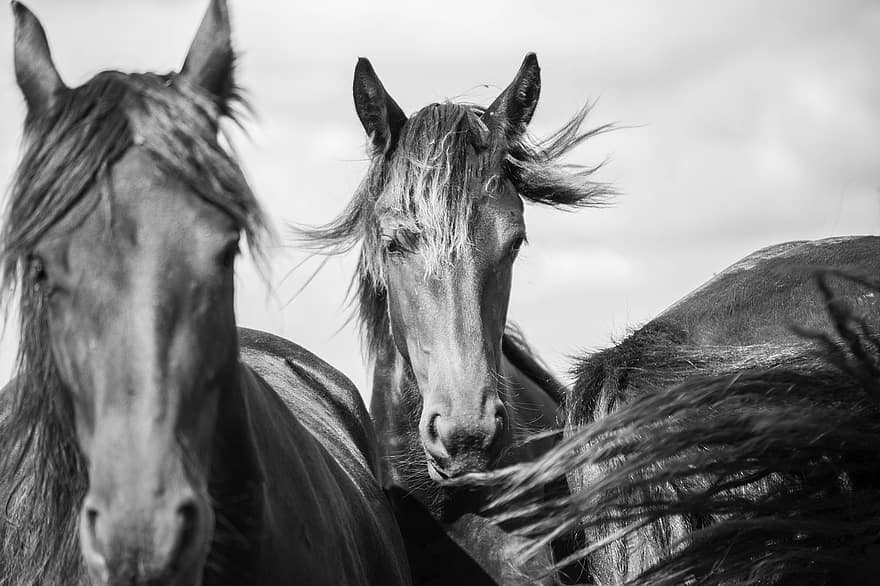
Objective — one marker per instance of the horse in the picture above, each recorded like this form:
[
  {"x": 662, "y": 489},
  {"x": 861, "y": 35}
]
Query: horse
[
  {"x": 439, "y": 222},
  {"x": 732, "y": 439},
  {"x": 146, "y": 439}
]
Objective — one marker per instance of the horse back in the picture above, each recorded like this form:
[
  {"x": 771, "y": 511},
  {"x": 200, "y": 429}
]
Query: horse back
[
  {"x": 760, "y": 298},
  {"x": 750, "y": 314},
  {"x": 327, "y": 404}
]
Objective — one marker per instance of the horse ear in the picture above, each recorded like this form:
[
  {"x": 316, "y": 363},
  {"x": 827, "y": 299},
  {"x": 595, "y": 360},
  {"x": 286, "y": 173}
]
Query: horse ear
[
  {"x": 380, "y": 115},
  {"x": 210, "y": 61},
  {"x": 34, "y": 70},
  {"x": 512, "y": 111}
]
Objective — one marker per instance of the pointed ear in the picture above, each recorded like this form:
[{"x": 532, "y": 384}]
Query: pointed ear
[
  {"x": 380, "y": 115},
  {"x": 512, "y": 111},
  {"x": 210, "y": 61},
  {"x": 36, "y": 74}
]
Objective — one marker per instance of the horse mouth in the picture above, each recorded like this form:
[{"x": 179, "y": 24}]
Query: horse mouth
[
  {"x": 436, "y": 473},
  {"x": 456, "y": 469}
]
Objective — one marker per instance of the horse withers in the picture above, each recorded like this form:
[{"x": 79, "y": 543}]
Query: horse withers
[
  {"x": 439, "y": 221},
  {"x": 145, "y": 439}
]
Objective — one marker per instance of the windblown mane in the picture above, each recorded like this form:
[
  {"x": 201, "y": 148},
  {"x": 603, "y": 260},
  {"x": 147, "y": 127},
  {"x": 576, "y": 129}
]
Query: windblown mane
[
  {"x": 425, "y": 183},
  {"x": 67, "y": 151},
  {"x": 765, "y": 473},
  {"x": 656, "y": 356}
]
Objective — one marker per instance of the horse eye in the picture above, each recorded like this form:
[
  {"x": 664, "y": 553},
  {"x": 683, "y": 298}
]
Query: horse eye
[
  {"x": 37, "y": 270},
  {"x": 516, "y": 245},
  {"x": 401, "y": 242},
  {"x": 227, "y": 257},
  {"x": 392, "y": 246}
]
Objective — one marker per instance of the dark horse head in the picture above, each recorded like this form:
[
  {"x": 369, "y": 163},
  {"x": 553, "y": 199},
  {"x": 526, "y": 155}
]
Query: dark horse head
[
  {"x": 120, "y": 237},
  {"x": 439, "y": 219}
]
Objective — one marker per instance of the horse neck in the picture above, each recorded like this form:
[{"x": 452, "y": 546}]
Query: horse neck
[
  {"x": 236, "y": 485},
  {"x": 533, "y": 408},
  {"x": 395, "y": 408},
  {"x": 262, "y": 483}
]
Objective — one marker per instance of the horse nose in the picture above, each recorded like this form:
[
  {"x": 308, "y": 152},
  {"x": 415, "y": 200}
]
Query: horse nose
[
  {"x": 461, "y": 443},
  {"x": 130, "y": 545}
]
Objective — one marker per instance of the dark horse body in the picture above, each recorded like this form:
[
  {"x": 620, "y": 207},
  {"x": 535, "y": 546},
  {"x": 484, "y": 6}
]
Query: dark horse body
[
  {"x": 749, "y": 316},
  {"x": 439, "y": 222},
  {"x": 760, "y": 300},
  {"x": 179, "y": 449},
  {"x": 733, "y": 438}
]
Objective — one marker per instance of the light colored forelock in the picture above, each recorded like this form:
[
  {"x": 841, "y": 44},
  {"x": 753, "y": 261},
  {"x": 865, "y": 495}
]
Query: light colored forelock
[{"x": 428, "y": 190}]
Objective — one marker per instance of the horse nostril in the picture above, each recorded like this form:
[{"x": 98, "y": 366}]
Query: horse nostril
[
  {"x": 187, "y": 529},
  {"x": 434, "y": 439},
  {"x": 433, "y": 434},
  {"x": 91, "y": 520},
  {"x": 500, "y": 426},
  {"x": 500, "y": 419},
  {"x": 92, "y": 541}
]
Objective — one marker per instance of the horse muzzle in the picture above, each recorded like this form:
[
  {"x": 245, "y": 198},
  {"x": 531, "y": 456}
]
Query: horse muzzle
[{"x": 166, "y": 546}]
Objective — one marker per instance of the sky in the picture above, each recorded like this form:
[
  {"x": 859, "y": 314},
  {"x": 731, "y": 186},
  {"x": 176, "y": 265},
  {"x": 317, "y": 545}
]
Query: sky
[{"x": 743, "y": 124}]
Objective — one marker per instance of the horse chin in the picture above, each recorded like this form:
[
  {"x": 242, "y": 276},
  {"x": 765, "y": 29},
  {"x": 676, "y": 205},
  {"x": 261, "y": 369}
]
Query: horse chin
[
  {"x": 100, "y": 576},
  {"x": 180, "y": 581},
  {"x": 458, "y": 467},
  {"x": 435, "y": 472}
]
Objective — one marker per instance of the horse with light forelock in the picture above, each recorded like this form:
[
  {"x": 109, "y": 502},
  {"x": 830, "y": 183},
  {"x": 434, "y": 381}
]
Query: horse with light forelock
[
  {"x": 179, "y": 449},
  {"x": 439, "y": 222},
  {"x": 731, "y": 440}
]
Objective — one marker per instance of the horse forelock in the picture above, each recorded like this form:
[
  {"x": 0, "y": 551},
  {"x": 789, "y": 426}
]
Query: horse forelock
[
  {"x": 73, "y": 146},
  {"x": 427, "y": 189}
]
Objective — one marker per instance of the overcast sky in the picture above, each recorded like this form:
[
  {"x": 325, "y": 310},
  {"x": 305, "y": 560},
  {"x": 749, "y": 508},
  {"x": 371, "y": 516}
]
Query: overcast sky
[{"x": 748, "y": 123}]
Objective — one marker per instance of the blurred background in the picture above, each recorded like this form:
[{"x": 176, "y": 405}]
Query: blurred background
[{"x": 745, "y": 123}]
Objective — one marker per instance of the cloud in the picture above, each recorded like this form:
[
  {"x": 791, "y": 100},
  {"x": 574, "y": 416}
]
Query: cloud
[{"x": 749, "y": 123}]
